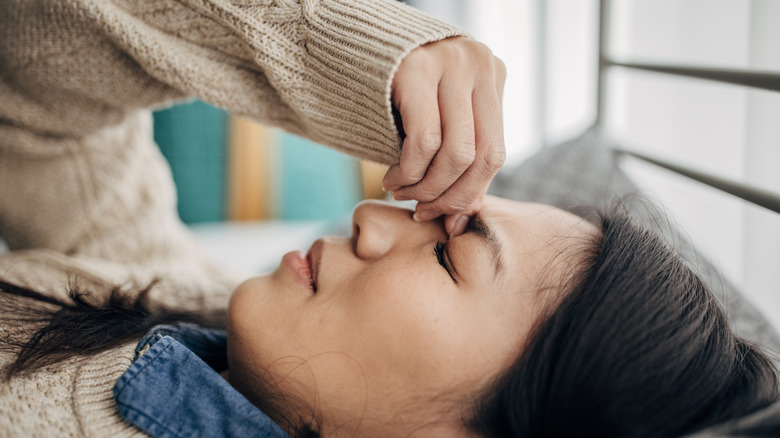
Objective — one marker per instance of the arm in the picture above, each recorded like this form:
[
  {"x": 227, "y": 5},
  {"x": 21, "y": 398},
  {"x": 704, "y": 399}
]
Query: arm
[
  {"x": 320, "y": 69},
  {"x": 78, "y": 170}
]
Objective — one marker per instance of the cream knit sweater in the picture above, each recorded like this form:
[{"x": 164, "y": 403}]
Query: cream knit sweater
[{"x": 84, "y": 192}]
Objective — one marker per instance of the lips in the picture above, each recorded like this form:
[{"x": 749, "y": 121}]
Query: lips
[{"x": 313, "y": 258}]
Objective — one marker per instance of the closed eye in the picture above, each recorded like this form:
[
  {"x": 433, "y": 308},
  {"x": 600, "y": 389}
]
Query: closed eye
[{"x": 440, "y": 250}]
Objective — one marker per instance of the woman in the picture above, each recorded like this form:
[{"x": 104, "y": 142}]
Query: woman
[
  {"x": 532, "y": 323},
  {"x": 85, "y": 194},
  {"x": 76, "y": 83}
]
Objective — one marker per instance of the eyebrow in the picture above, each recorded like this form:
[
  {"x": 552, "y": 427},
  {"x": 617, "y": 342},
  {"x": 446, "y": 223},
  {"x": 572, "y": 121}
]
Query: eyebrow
[{"x": 480, "y": 228}]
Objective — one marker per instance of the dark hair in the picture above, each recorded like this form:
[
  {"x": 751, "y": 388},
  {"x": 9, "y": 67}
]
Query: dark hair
[
  {"x": 639, "y": 348},
  {"x": 47, "y": 330},
  {"x": 78, "y": 325}
]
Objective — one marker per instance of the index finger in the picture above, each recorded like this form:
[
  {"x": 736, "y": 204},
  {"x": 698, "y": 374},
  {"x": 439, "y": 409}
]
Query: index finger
[{"x": 419, "y": 108}]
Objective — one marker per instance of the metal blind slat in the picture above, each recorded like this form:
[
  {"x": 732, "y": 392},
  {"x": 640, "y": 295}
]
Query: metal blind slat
[
  {"x": 768, "y": 80},
  {"x": 755, "y": 195}
]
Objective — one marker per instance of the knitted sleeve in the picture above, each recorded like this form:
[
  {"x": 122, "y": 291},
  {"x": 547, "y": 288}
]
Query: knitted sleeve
[
  {"x": 318, "y": 68},
  {"x": 79, "y": 171}
]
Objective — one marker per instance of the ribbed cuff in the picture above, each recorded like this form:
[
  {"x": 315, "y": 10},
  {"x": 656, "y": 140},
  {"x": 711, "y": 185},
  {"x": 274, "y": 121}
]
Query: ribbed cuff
[
  {"x": 354, "y": 48},
  {"x": 93, "y": 398}
]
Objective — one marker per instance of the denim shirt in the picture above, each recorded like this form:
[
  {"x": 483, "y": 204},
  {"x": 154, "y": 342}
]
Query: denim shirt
[{"x": 172, "y": 389}]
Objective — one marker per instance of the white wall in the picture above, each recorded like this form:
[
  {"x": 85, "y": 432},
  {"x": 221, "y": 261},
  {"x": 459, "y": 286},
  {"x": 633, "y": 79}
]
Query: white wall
[
  {"x": 728, "y": 130},
  {"x": 761, "y": 273}
]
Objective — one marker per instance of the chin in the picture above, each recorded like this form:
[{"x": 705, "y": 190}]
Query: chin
[
  {"x": 243, "y": 295},
  {"x": 253, "y": 285}
]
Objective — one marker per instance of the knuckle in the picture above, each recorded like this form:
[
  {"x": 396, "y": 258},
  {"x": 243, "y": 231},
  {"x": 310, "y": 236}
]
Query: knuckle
[
  {"x": 426, "y": 195},
  {"x": 495, "y": 158},
  {"x": 450, "y": 205},
  {"x": 461, "y": 157},
  {"x": 429, "y": 142},
  {"x": 500, "y": 66},
  {"x": 458, "y": 203},
  {"x": 407, "y": 168},
  {"x": 410, "y": 176},
  {"x": 467, "y": 52},
  {"x": 418, "y": 58},
  {"x": 456, "y": 49},
  {"x": 483, "y": 52}
]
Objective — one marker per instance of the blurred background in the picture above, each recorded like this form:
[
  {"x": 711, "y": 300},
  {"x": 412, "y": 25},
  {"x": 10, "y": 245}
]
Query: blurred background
[{"x": 229, "y": 169}]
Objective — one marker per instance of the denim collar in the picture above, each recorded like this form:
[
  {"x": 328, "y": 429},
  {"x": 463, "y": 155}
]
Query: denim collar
[{"x": 173, "y": 389}]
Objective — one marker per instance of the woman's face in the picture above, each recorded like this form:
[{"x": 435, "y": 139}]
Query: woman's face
[{"x": 397, "y": 323}]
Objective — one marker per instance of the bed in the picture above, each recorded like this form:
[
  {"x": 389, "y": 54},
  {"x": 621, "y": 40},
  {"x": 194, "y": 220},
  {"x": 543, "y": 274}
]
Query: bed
[{"x": 590, "y": 171}]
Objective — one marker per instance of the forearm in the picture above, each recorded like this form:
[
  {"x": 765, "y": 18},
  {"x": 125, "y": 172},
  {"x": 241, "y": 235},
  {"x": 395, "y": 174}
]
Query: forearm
[
  {"x": 79, "y": 172},
  {"x": 321, "y": 69}
]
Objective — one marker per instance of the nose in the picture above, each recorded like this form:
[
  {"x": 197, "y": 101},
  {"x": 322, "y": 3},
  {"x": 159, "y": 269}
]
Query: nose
[{"x": 377, "y": 227}]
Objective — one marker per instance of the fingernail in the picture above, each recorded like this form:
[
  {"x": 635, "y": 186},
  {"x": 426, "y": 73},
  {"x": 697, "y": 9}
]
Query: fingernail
[
  {"x": 425, "y": 215},
  {"x": 459, "y": 225},
  {"x": 389, "y": 187}
]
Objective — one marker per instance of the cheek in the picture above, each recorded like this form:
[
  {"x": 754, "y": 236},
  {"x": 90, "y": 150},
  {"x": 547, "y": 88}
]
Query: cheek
[
  {"x": 415, "y": 325},
  {"x": 437, "y": 334}
]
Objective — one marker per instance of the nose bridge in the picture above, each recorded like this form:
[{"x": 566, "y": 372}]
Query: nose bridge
[{"x": 377, "y": 226}]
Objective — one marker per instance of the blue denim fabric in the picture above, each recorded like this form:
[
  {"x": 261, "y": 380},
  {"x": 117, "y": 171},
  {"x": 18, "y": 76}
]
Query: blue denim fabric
[{"x": 173, "y": 391}]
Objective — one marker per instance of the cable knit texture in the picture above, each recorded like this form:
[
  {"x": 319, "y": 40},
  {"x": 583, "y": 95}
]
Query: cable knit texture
[{"x": 86, "y": 194}]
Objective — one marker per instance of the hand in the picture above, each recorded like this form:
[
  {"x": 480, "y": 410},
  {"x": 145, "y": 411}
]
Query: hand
[{"x": 449, "y": 96}]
